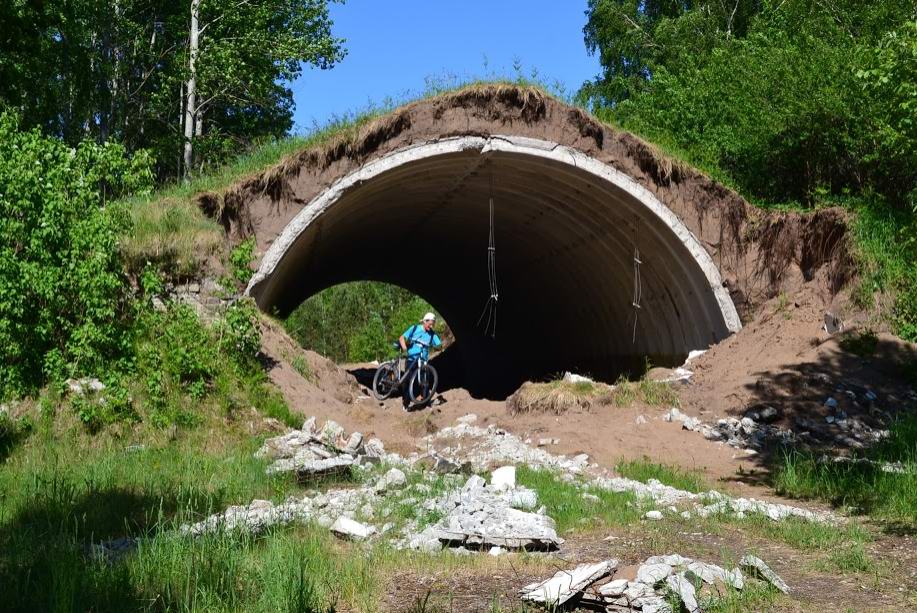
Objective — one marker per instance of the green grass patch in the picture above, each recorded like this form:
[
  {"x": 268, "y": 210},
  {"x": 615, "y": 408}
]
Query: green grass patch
[
  {"x": 753, "y": 597},
  {"x": 667, "y": 474},
  {"x": 566, "y": 504},
  {"x": 865, "y": 487},
  {"x": 557, "y": 396},
  {"x": 625, "y": 393}
]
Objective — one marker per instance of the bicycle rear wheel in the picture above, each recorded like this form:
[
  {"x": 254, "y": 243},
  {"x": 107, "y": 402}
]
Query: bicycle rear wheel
[
  {"x": 385, "y": 381},
  {"x": 423, "y": 384}
]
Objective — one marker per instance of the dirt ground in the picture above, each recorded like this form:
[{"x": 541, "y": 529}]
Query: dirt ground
[{"x": 782, "y": 358}]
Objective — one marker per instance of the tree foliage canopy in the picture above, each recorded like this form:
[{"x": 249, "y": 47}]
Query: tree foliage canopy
[
  {"x": 789, "y": 100},
  {"x": 115, "y": 70}
]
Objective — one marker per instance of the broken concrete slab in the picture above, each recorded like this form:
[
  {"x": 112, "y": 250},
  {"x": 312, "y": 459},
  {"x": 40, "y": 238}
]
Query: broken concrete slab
[
  {"x": 351, "y": 529},
  {"x": 566, "y": 584},
  {"x": 503, "y": 478},
  {"x": 651, "y": 574},
  {"x": 685, "y": 590},
  {"x": 756, "y": 566}
]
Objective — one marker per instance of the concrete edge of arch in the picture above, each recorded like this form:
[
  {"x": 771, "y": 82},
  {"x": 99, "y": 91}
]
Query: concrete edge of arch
[{"x": 484, "y": 145}]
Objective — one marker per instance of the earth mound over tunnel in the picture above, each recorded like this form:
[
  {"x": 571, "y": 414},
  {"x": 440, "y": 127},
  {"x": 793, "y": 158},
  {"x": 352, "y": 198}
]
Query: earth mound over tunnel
[{"x": 606, "y": 253}]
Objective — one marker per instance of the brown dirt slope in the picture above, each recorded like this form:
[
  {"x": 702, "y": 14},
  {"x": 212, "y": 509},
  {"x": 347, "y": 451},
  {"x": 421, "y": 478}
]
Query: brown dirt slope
[{"x": 758, "y": 253}]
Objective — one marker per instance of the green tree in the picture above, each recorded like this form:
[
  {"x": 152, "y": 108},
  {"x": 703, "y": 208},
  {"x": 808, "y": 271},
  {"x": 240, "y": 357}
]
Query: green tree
[
  {"x": 62, "y": 292},
  {"x": 120, "y": 71}
]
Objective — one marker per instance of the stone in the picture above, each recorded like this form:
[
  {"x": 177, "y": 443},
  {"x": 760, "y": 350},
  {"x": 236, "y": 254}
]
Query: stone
[
  {"x": 590, "y": 497},
  {"x": 354, "y": 444},
  {"x": 640, "y": 420},
  {"x": 756, "y": 566},
  {"x": 654, "y": 604},
  {"x": 374, "y": 448},
  {"x": 570, "y": 377},
  {"x": 653, "y": 515},
  {"x": 504, "y": 478},
  {"x": 84, "y": 386},
  {"x": 685, "y": 590},
  {"x": 831, "y": 403},
  {"x": 672, "y": 560},
  {"x": 350, "y": 529},
  {"x": 331, "y": 432},
  {"x": 614, "y": 588},
  {"x": 470, "y": 418},
  {"x": 565, "y": 584},
  {"x": 496, "y": 551},
  {"x": 651, "y": 574},
  {"x": 393, "y": 479}
]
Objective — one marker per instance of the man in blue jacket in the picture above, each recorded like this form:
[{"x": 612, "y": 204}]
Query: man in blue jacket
[{"x": 416, "y": 342}]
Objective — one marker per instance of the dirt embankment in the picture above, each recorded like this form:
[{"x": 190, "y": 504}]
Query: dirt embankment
[{"x": 759, "y": 253}]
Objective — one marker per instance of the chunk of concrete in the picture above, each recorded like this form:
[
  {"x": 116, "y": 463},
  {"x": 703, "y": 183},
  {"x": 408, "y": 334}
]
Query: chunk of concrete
[
  {"x": 504, "y": 478},
  {"x": 685, "y": 590},
  {"x": 756, "y": 566},
  {"x": 350, "y": 529},
  {"x": 565, "y": 584}
]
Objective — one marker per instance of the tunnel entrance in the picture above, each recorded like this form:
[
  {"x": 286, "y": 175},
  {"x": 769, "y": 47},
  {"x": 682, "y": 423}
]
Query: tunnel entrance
[{"x": 568, "y": 228}]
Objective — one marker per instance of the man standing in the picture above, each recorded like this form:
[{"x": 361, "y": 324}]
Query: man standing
[{"x": 416, "y": 342}]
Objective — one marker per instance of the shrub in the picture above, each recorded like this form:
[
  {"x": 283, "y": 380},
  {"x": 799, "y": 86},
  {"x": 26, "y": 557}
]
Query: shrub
[
  {"x": 62, "y": 292},
  {"x": 240, "y": 259}
]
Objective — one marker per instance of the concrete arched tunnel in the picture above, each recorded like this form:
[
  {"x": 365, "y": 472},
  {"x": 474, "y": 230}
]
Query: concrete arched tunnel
[{"x": 567, "y": 229}]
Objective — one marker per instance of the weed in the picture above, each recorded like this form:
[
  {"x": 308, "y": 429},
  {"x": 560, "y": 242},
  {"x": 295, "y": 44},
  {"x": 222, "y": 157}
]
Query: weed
[
  {"x": 566, "y": 504},
  {"x": 301, "y": 365},
  {"x": 644, "y": 470},
  {"x": 862, "y": 485},
  {"x": 240, "y": 259},
  {"x": 625, "y": 393}
]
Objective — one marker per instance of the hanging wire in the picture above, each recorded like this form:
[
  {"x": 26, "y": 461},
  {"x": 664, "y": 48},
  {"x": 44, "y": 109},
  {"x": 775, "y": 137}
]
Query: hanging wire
[
  {"x": 490, "y": 307},
  {"x": 638, "y": 281}
]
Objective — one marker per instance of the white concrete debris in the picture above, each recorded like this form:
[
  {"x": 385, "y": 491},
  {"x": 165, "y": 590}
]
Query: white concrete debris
[
  {"x": 756, "y": 566},
  {"x": 492, "y": 446},
  {"x": 84, "y": 385},
  {"x": 393, "y": 479},
  {"x": 483, "y": 517},
  {"x": 651, "y": 574},
  {"x": 503, "y": 478},
  {"x": 350, "y": 529},
  {"x": 656, "y": 579},
  {"x": 685, "y": 590},
  {"x": 470, "y": 418},
  {"x": 566, "y": 584},
  {"x": 654, "y": 515},
  {"x": 570, "y": 377}
]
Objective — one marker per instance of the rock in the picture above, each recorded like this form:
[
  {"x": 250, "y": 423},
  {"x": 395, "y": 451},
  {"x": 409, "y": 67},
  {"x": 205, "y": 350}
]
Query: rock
[
  {"x": 565, "y": 584},
  {"x": 331, "y": 433},
  {"x": 651, "y": 574},
  {"x": 654, "y": 604},
  {"x": 354, "y": 444},
  {"x": 496, "y": 551},
  {"x": 685, "y": 590},
  {"x": 590, "y": 497},
  {"x": 374, "y": 448},
  {"x": 393, "y": 479},
  {"x": 350, "y": 529},
  {"x": 85, "y": 385},
  {"x": 711, "y": 573},
  {"x": 831, "y": 403},
  {"x": 470, "y": 418},
  {"x": 653, "y": 515},
  {"x": 672, "y": 560},
  {"x": 756, "y": 566},
  {"x": 570, "y": 377},
  {"x": 504, "y": 478},
  {"x": 614, "y": 588},
  {"x": 640, "y": 420},
  {"x": 673, "y": 415}
]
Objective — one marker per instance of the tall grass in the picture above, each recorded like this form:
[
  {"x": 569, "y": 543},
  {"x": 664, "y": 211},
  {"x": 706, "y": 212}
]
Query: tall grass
[{"x": 864, "y": 486}]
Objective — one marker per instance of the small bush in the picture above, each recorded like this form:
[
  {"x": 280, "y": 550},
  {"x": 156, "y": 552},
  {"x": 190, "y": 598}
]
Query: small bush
[
  {"x": 240, "y": 259},
  {"x": 240, "y": 335}
]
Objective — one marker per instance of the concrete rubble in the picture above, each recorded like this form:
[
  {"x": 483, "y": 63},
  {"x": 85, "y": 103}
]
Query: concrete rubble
[
  {"x": 658, "y": 581},
  {"x": 565, "y": 584}
]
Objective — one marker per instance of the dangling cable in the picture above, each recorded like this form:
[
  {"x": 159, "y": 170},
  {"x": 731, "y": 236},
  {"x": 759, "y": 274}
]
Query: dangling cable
[
  {"x": 490, "y": 307},
  {"x": 638, "y": 281}
]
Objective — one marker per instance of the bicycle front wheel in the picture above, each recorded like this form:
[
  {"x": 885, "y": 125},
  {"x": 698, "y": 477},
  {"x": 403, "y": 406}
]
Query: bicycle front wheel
[
  {"x": 423, "y": 384},
  {"x": 384, "y": 381}
]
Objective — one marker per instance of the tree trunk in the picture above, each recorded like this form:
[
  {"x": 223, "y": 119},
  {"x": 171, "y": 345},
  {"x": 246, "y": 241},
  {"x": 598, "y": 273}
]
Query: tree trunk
[{"x": 191, "y": 89}]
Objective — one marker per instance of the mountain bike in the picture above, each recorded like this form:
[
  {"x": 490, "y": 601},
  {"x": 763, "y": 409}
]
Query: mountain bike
[{"x": 421, "y": 378}]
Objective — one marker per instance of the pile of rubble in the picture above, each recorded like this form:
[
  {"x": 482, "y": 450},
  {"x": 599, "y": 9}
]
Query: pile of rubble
[
  {"x": 312, "y": 452},
  {"x": 659, "y": 581},
  {"x": 492, "y": 446},
  {"x": 495, "y": 517}
]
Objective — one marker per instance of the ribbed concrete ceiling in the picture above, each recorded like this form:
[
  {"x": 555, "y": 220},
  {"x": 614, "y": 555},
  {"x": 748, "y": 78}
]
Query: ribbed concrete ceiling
[{"x": 565, "y": 242}]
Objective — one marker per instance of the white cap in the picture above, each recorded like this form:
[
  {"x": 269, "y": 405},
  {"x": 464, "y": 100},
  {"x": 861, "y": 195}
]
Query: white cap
[{"x": 429, "y": 317}]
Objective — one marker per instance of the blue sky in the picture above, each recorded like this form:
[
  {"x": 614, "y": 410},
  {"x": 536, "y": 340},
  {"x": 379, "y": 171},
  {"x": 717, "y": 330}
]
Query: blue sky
[{"x": 393, "y": 46}]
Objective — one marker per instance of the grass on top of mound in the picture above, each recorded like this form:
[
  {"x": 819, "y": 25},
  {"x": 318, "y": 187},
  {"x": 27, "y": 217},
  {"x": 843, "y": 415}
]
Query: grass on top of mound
[{"x": 557, "y": 396}]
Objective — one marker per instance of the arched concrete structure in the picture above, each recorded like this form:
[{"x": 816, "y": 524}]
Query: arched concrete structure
[{"x": 566, "y": 228}]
